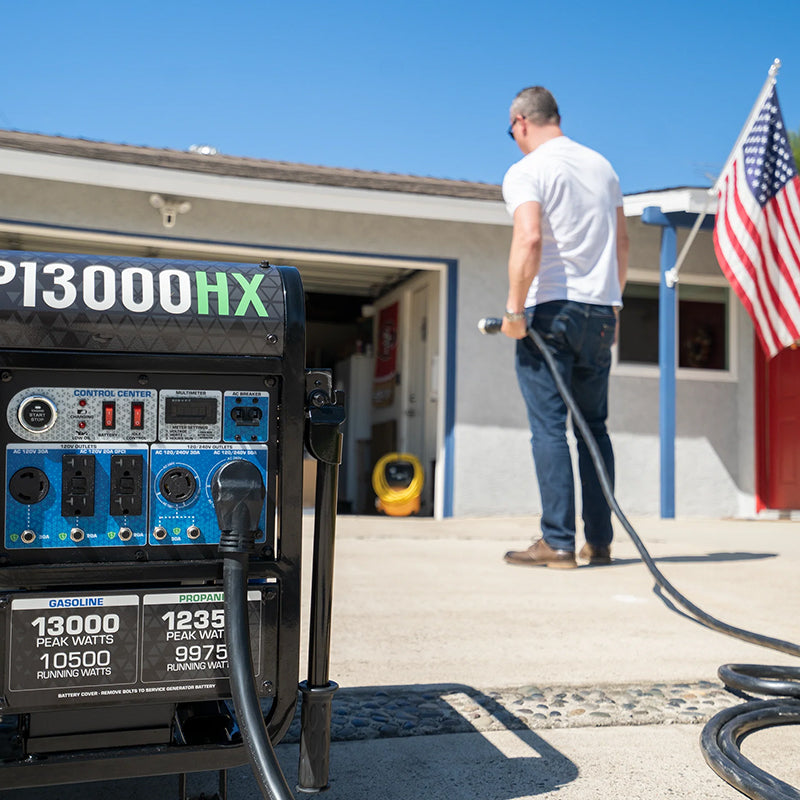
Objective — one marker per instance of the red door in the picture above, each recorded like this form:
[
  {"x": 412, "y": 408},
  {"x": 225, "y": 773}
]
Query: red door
[{"x": 777, "y": 430}]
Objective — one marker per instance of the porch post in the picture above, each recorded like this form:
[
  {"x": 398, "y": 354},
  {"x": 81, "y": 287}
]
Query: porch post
[{"x": 667, "y": 324}]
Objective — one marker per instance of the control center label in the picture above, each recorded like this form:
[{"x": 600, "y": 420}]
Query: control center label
[
  {"x": 81, "y": 415},
  {"x": 111, "y": 648}
]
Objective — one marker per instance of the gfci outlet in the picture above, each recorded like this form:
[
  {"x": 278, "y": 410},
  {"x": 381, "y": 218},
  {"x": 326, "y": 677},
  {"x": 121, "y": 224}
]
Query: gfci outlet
[
  {"x": 125, "y": 495},
  {"x": 77, "y": 485}
]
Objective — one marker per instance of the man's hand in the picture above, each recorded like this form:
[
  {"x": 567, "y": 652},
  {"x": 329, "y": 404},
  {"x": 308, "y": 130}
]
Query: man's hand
[{"x": 514, "y": 329}]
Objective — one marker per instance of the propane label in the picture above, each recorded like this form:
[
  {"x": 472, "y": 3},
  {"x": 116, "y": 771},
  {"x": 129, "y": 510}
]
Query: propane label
[{"x": 184, "y": 635}]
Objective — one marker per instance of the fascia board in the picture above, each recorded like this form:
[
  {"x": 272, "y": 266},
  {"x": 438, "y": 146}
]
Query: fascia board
[{"x": 186, "y": 184}]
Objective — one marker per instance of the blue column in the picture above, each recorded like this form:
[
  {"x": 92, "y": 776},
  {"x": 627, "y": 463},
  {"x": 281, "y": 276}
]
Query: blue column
[{"x": 667, "y": 324}]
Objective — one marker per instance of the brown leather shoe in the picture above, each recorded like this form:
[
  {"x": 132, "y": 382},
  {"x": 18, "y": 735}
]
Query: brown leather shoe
[
  {"x": 540, "y": 554},
  {"x": 595, "y": 554}
]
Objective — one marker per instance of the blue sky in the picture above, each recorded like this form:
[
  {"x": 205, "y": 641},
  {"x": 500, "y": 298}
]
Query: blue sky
[{"x": 423, "y": 88}]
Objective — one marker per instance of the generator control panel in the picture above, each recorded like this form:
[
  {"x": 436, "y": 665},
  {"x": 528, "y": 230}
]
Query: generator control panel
[{"x": 124, "y": 467}]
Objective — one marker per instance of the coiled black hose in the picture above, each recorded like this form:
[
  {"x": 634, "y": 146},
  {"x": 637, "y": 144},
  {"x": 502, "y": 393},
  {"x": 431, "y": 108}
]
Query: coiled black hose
[{"x": 722, "y": 736}]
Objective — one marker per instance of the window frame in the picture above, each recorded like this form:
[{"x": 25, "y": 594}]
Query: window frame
[{"x": 640, "y": 370}]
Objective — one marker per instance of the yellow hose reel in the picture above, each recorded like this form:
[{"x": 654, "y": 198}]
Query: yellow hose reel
[{"x": 397, "y": 480}]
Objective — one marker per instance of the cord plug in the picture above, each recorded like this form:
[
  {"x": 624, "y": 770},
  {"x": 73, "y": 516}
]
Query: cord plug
[{"x": 237, "y": 490}]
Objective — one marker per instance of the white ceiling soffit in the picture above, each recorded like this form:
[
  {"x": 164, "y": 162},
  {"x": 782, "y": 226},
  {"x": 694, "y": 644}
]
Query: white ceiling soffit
[
  {"x": 185, "y": 183},
  {"x": 328, "y": 273},
  {"x": 690, "y": 199}
]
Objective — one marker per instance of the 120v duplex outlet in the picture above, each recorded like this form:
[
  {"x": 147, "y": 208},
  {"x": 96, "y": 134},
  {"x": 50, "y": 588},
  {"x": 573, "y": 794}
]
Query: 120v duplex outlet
[
  {"x": 126, "y": 485},
  {"x": 77, "y": 485}
]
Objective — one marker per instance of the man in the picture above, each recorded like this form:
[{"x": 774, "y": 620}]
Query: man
[{"x": 566, "y": 270}]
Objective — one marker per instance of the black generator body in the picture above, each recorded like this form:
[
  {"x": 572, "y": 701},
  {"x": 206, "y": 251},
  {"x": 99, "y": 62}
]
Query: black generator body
[{"x": 126, "y": 385}]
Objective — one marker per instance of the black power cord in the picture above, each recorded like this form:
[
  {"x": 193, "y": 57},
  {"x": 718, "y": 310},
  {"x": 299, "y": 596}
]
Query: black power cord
[
  {"x": 723, "y": 734},
  {"x": 237, "y": 489}
]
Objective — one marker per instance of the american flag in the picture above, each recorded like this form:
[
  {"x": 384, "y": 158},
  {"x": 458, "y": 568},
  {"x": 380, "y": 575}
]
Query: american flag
[{"x": 757, "y": 230}]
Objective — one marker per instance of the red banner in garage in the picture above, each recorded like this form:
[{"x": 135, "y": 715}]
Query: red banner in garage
[{"x": 386, "y": 357}]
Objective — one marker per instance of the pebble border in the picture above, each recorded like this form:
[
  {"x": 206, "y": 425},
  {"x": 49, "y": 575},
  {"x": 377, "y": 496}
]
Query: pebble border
[{"x": 388, "y": 712}]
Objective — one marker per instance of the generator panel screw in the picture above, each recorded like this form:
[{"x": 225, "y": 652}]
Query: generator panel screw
[{"x": 5, "y": 376}]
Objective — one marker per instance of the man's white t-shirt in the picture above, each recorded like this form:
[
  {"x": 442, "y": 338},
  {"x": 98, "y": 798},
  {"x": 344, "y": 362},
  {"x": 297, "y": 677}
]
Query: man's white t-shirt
[{"x": 579, "y": 193}]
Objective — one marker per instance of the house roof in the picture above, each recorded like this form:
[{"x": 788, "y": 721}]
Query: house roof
[
  {"x": 252, "y": 180},
  {"x": 240, "y": 167}
]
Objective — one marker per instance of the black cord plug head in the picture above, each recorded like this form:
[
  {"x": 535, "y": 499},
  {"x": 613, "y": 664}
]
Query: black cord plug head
[{"x": 237, "y": 490}]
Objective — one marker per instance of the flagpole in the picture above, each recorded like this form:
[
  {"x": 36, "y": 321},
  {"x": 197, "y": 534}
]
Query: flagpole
[
  {"x": 765, "y": 90},
  {"x": 672, "y": 274}
]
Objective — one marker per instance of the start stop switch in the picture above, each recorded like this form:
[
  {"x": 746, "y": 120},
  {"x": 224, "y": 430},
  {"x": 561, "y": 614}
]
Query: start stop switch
[{"x": 37, "y": 414}]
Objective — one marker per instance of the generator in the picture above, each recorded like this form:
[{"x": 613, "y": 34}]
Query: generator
[{"x": 142, "y": 403}]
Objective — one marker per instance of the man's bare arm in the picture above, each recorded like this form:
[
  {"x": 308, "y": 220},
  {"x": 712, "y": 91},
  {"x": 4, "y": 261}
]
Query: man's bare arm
[{"x": 524, "y": 259}]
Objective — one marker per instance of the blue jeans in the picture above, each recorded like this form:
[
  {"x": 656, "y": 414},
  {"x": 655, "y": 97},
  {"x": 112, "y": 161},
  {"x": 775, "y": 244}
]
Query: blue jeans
[{"x": 579, "y": 336}]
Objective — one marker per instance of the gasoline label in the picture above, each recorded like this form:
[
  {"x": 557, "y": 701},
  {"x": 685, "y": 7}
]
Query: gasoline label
[{"x": 72, "y": 643}]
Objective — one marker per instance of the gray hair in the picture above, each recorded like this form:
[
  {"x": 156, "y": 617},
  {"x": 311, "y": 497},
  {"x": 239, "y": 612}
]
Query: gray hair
[{"x": 537, "y": 105}]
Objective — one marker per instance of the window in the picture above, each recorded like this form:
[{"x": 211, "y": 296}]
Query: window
[
  {"x": 702, "y": 326},
  {"x": 637, "y": 341}
]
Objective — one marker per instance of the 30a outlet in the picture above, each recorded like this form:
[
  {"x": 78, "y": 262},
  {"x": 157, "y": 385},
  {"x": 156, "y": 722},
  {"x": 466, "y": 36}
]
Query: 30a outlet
[
  {"x": 178, "y": 485},
  {"x": 77, "y": 485},
  {"x": 29, "y": 485},
  {"x": 126, "y": 485}
]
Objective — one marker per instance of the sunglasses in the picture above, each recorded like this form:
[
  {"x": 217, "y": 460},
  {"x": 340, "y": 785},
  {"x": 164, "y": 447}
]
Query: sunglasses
[{"x": 511, "y": 126}]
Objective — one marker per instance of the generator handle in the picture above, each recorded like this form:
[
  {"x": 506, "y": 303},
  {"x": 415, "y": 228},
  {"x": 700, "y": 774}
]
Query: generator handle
[{"x": 324, "y": 421}]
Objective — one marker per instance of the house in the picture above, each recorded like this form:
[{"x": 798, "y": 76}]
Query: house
[{"x": 404, "y": 267}]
